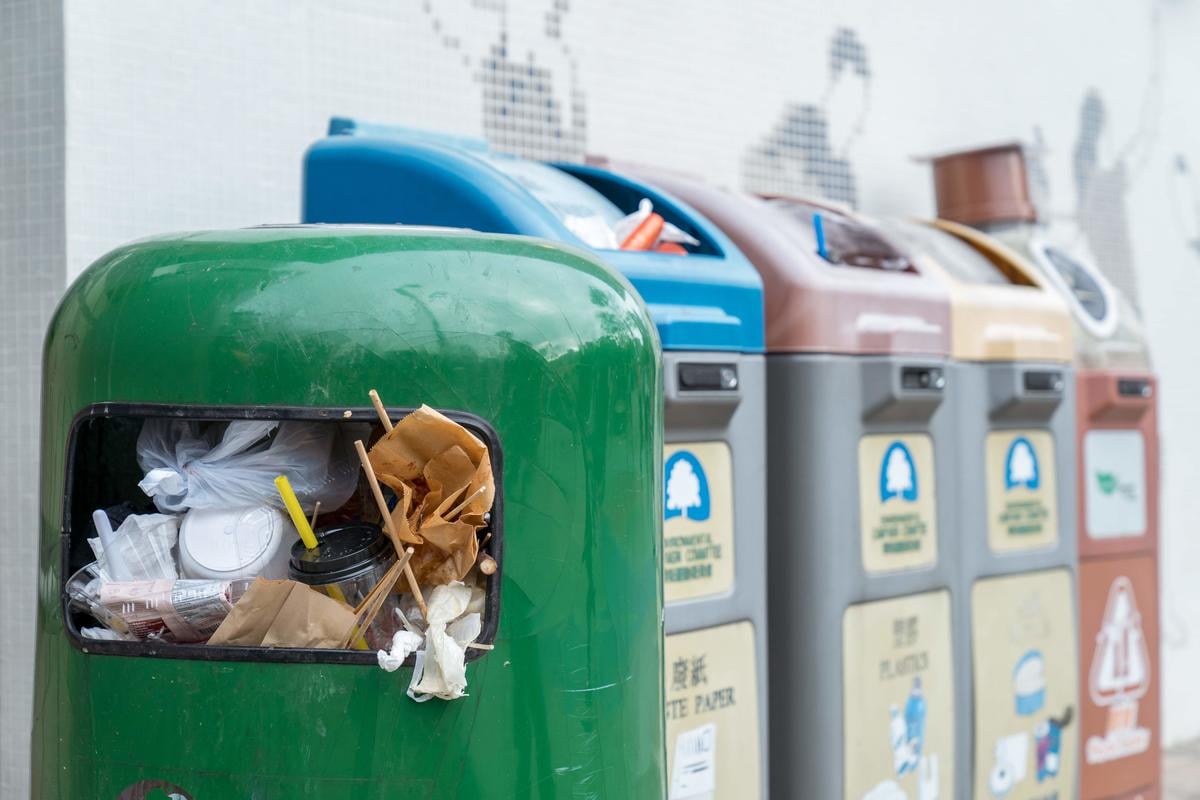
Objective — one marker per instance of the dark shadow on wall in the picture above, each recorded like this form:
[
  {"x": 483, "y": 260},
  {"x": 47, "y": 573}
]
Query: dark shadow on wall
[{"x": 798, "y": 155}]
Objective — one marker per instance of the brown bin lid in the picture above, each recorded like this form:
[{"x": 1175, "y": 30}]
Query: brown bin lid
[
  {"x": 983, "y": 186},
  {"x": 812, "y": 305}
]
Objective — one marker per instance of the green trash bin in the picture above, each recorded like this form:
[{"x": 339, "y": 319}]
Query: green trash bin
[{"x": 537, "y": 349}]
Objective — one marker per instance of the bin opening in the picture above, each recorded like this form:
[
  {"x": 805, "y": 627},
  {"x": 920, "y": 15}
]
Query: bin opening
[
  {"x": 1082, "y": 284},
  {"x": 627, "y": 196},
  {"x": 185, "y": 546},
  {"x": 844, "y": 241}
]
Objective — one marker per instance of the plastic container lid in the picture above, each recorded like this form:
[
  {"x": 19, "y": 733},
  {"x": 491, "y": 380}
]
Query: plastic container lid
[
  {"x": 1018, "y": 319},
  {"x": 854, "y": 293},
  {"x": 344, "y": 552},
  {"x": 710, "y": 299},
  {"x": 223, "y": 544}
]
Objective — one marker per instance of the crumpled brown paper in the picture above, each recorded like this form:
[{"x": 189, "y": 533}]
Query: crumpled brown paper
[
  {"x": 434, "y": 465},
  {"x": 285, "y": 614}
]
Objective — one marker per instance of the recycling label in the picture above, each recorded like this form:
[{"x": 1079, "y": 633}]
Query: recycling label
[
  {"x": 1022, "y": 498},
  {"x": 898, "y": 699},
  {"x": 1120, "y": 640},
  {"x": 697, "y": 520},
  {"x": 1114, "y": 466},
  {"x": 897, "y": 502},
  {"x": 1025, "y": 685},
  {"x": 713, "y": 749}
]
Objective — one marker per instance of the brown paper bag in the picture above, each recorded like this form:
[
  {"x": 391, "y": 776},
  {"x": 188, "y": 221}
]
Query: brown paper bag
[
  {"x": 285, "y": 614},
  {"x": 435, "y": 466},
  {"x": 459, "y": 460}
]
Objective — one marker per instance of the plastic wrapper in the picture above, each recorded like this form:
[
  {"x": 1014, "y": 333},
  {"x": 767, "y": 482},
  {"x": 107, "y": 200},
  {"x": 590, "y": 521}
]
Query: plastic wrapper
[
  {"x": 180, "y": 611},
  {"x": 192, "y": 465},
  {"x": 146, "y": 541}
]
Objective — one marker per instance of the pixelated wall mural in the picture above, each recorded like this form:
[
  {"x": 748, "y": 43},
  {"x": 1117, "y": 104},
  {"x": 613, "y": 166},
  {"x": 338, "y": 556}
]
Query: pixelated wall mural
[
  {"x": 525, "y": 109},
  {"x": 798, "y": 155}
]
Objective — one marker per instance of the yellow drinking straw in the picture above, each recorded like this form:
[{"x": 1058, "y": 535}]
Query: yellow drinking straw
[{"x": 297, "y": 513}]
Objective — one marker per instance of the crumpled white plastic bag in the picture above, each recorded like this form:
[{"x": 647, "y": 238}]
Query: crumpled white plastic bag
[
  {"x": 145, "y": 542},
  {"x": 237, "y": 467},
  {"x": 441, "y": 669}
]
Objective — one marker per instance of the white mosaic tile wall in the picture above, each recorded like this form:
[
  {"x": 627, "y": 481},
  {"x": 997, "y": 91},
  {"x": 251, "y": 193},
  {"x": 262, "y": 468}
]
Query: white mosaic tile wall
[
  {"x": 32, "y": 276},
  {"x": 193, "y": 114}
]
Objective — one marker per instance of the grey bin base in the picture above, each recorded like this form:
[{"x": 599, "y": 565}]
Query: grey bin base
[
  {"x": 819, "y": 409},
  {"x": 734, "y": 418}
]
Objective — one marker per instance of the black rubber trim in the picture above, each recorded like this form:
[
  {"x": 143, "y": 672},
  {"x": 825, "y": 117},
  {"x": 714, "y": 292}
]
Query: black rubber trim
[{"x": 289, "y": 655}]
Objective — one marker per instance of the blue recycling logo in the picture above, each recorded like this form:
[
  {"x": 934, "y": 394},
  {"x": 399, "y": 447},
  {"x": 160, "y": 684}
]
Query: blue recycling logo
[
  {"x": 898, "y": 474},
  {"x": 686, "y": 488},
  {"x": 1021, "y": 465}
]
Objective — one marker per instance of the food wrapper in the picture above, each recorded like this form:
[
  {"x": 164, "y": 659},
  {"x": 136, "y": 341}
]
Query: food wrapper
[
  {"x": 182, "y": 611},
  {"x": 285, "y": 614},
  {"x": 442, "y": 476}
]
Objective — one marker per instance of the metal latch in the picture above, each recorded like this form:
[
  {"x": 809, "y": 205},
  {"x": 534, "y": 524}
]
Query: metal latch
[
  {"x": 1134, "y": 387},
  {"x": 708, "y": 377},
  {"x": 928, "y": 378},
  {"x": 1044, "y": 381}
]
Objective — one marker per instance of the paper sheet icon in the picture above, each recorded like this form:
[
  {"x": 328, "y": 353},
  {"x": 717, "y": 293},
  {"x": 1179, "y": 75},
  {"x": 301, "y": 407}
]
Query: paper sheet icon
[{"x": 694, "y": 775}]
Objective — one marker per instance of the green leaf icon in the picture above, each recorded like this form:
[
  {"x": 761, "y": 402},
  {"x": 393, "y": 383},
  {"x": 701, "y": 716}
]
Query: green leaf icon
[{"x": 1107, "y": 482}]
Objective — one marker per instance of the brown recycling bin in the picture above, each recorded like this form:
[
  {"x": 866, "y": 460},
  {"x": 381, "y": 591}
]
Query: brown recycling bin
[{"x": 1117, "y": 427}]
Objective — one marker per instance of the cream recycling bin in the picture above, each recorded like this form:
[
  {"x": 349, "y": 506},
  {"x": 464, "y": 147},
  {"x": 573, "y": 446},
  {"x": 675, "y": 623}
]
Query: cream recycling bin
[
  {"x": 861, "y": 483},
  {"x": 706, "y": 301},
  {"x": 1016, "y": 514},
  {"x": 1116, "y": 397}
]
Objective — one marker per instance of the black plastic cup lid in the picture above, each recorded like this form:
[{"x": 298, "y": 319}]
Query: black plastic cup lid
[{"x": 343, "y": 552}]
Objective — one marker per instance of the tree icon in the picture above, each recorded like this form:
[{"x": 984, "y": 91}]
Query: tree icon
[
  {"x": 1022, "y": 466},
  {"x": 686, "y": 488},
  {"x": 899, "y": 475}
]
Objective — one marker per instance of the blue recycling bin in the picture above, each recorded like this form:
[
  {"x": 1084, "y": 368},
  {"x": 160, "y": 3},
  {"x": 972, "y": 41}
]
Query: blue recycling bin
[{"x": 706, "y": 300}]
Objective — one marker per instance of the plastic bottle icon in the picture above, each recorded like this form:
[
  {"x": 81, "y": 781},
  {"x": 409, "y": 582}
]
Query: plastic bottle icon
[{"x": 914, "y": 717}]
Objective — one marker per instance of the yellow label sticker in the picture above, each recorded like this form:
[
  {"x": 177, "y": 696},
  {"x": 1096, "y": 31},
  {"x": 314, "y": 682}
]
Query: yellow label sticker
[
  {"x": 1025, "y": 684},
  {"x": 898, "y": 698},
  {"x": 897, "y": 497},
  {"x": 1022, "y": 499},
  {"x": 712, "y": 714},
  {"x": 697, "y": 521}
]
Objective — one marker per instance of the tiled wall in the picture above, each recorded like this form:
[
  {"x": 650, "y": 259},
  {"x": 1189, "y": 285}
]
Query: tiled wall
[
  {"x": 32, "y": 276},
  {"x": 191, "y": 114}
]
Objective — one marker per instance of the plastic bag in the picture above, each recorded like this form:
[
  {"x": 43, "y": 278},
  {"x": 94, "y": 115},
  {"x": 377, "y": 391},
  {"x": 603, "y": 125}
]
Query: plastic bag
[
  {"x": 187, "y": 468},
  {"x": 440, "y": 669}
]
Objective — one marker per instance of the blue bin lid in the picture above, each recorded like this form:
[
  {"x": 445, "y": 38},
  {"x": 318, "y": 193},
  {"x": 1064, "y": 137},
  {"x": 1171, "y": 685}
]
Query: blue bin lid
[{"x": 711, "y": 299}]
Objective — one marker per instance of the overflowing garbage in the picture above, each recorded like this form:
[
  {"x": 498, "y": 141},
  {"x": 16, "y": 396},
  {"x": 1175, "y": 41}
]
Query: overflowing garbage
[{"x": 296, "y": 534}]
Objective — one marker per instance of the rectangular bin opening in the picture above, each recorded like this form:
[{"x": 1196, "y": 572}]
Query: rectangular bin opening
[{"x": 214, "y": 551}]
